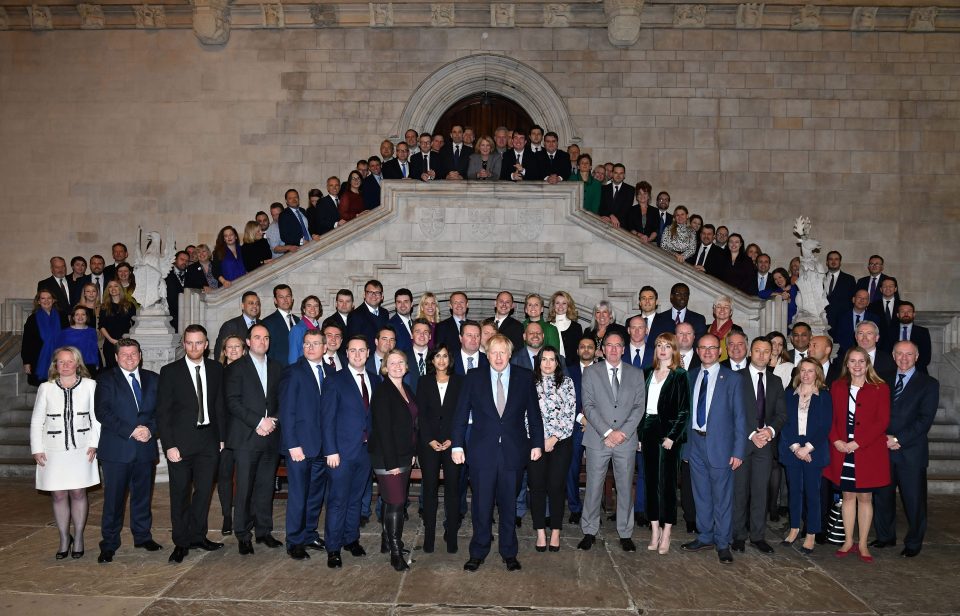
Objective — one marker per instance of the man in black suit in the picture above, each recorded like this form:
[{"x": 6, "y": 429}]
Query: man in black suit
[
  {"x": 678, "y": 312},
  {"x": 190, "y": 422},
  {"x": 767, "y": 414},
  {"x": 252, "y": 384},
  {"x": 737, "y": 359},
  {"x": 868, "y": 336},
  {"x": 917, "y": 334},
  {"x": 399, "y": 168},
  {"x": 616, "y": 198},
  {"x": 119, "y": 252},
  {"x": 293, "y": 223},
  {"x": 800, "y": 339},
  {"x": 280, "y": 322},
  {"x": 175, "y": 282},
  {"x": 423, "y": 164},
  {"x": 765, "y": 284},
  {"x": 915, "y": 397},
  {"x": 325, "y": 215},
  {"x": 554, "y": 162},
  {"x": 57, "y": 285},
  {"x": 844, "y": 329},
  {"x": 341, "y": 317},
  {"x": 886, "y": 307},
  {"x": 666, "y": 218},
  {"x": 367, "y": 318},
  {"x": 528, "y": 355},
  {"x": 371, "y": 183},
  {"x": 335, "y": 352},
  {"x": 240, "y": 325},
  {"x": 872, "y": 282},
  {"x": 455, "y": 155},
  {"x": 506, "y": 324},
  {"x": 686, "y": 337},
  {"x": 96, "y": 274},
  {"x": 691, "y": 361},
  {"x": 840, "y": 287},
  {"x": 519, "y": 162},
  {"x": 821, "y": 348},
  {"x": 448, "y": 330},
  {"x": 709, "y": 258}
]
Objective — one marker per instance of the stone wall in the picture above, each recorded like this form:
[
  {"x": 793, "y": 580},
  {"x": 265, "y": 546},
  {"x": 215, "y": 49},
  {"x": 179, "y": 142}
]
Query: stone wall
[{"x": 102, "y": 131}]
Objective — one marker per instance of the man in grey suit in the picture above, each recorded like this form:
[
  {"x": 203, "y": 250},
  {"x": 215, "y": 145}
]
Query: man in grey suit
[{"x": 614, "y": 399}]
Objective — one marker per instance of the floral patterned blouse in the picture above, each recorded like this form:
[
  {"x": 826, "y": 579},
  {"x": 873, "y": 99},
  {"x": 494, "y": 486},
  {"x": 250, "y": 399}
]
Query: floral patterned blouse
[{"x": 558, "y": 407}]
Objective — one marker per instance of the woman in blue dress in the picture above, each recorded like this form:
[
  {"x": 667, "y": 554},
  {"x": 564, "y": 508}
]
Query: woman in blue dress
[
  {"x": 83, "y": 337},
  {"x": 228, "y": 257}
]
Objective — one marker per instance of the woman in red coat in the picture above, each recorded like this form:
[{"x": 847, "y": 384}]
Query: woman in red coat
[
  {"x": 859, "y": 460},
  {"x": 351, "y": 201}
]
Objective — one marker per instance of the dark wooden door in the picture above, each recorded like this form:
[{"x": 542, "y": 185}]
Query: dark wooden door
[{"x": 484, "y": 114}]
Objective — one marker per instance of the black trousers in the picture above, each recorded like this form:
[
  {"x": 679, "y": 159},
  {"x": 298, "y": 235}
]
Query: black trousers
[
  {"x": 686, "y": 494},
  {"x": 430, "y": 464},
  {"x": 660, "y": 467},
  {"x": 191, "y": 486},
  {"x": 911, "y": 478},
  {"x": 225, "y": 483},
  {"x": 253, "y": 505},
  {"x": 547, "y": 478},
  {"x": 750, "y": 486}
]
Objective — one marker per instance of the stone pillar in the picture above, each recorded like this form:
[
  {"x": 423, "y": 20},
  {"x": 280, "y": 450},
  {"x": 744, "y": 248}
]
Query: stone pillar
[{"x": 623, "y": 21}]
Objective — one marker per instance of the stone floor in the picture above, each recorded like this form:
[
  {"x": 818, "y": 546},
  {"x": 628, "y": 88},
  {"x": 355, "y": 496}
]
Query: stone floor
[{"x": 604, "y": 581}]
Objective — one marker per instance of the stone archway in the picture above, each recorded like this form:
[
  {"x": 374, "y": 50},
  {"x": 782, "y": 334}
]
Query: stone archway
[{"x": 491, "y": 73}]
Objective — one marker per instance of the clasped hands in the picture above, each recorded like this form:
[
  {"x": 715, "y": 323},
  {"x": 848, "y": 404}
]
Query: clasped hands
[
  {"x": 892, "y": 443},
  {"x": 615, "y": 438},
  {"x": 846, "y": 447},
  {"x": 761, "y": 437},
  {"x": 266, "y": 426},
  {"x": 438, "y": 446},
  {"x": 141, "y": 434}
]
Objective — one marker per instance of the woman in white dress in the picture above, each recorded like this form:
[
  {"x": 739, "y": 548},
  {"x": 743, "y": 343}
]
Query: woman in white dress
[{"x": 64, "y": 434}]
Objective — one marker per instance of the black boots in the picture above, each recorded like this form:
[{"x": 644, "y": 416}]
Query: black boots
[{"x": 393, "y": 529}]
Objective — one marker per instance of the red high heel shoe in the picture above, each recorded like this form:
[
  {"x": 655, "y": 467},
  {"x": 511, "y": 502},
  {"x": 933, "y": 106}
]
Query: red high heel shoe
[
  {"x": 865, "y": 558},
  {"x": 841, "y": 553}
]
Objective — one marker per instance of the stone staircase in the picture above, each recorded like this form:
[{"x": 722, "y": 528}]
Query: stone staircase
[
  {"x": 943, "y": 474},
  {"x": 16, "y": 408}
]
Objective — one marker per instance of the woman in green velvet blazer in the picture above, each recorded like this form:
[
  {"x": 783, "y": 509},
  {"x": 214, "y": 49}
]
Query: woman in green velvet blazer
[
  {"x": 591, "y": 186},
  {"x": 661, "y": 433}
]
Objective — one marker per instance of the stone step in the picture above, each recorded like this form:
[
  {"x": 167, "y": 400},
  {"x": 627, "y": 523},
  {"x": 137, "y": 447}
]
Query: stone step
[
  {"x": 15, "y": 448},
  {"x": 945, "y": 448},
  {"x": 17, "y": 467},
  {"x": 944, "y": 432},
  {"x": 942, "y": 416},
  {"x": 943, "y": 465},
  {"x": 947, "y": 484},
  {"x": 18, "y": 434}
]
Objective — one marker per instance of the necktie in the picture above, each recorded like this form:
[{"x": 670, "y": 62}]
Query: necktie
[
  {"x": 331, "y": 362},
  {"x": 857, "y": 322},
  {"x": 63, "y": 287},
  {"x": 290, "y": 322},
  {"x": 137, "y": 392},
  {"x": 501, "y": 395},
  {"x": 761, "y": 282},
  {"x": 199, "y": 397},
  {"x": 637, "y": 360},
  {"x": 702, "y": 256},
  {"x": 421, "y": 365},
  {"x": 677, "y": 320},
  {"x": 320, "y": 372},
  {"x": 96, "y": 281},
  {"x": 303, "y": 225},
  {"x": 403, "y": 168},
  {"x": 469, "y": 363},
  {"x": 336, "y": 202},
  {"x": 761, "y": 401},
  {"x": 456, "y": 154},
  {"x": 898, "y": 389},
  {"x": 873, "y": 287},
  {"x": 702, "y": 402},
  {"x": 889, "y": 312},
  {"x": 903, "y": 335},
  {"x": 520, "y": 159},
  {"x": 363, "y": 391},
  {"x": 427, "y": 159},
  {"x": 551, "y": 158},
  {"x": 833, "y": 281},
  {"x": 615, "y": 189},
  {"x": 615, "y": 382}
]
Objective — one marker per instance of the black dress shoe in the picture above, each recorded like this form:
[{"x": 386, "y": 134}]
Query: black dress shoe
[
  {"x": 821, "y": 538},
  {"x": 640, "y": 518},
  {"x": 178, "y": 554},
  {"x": 909, "y": 552},
  {"x": 738, "y": 545},
  {"x": 227, "y": 528},
  {"x": 317, "y": 545},
  {"x": 364, "y": 520},
  {"x": 473, "y": 564},
  {"x": 269, "y": 541},
  {"x": 106, "y": 556},
  {"x": 726, "y": 558},
  {"x": 149, "y": 545},
  {"x": 763, "y": 546},
  {"x": 333, "y": 560},
  {"x": 695, "y": 546},
  {"x": 574, "y": 517},
  {"x": 245, "y": 547},
  {"x": 207, "y": 545},
  {"x": 587, "y": 542},
  {"x": 519, "y": 521},
  {"x": 879, "y": 543},
  {"x": 512, "y": 564},
  {"x": 356, "y": 549},
  {"x": 298, "y": 552},
  {"x": 628, "y": 545},
  {"x": 692, "y": 528}
]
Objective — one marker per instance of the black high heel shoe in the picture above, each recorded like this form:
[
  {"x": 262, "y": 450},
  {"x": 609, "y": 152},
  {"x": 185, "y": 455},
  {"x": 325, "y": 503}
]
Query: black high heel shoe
[
  {"x": 541, "y": 548},
  {"x": 76, "y": 554},
  {"x": 554, "y": 548},
  {"x": 63, "y": 554}
]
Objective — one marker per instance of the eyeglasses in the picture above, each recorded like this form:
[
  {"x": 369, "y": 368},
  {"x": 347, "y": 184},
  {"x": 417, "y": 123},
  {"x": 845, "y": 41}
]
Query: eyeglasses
[{"x": 708, "y": 348}]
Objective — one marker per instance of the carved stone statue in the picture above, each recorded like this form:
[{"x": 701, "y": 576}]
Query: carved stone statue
[
  {"x": 623, "y": 21},
  {"x": 864, "y": 19},
  {"x": 806, "y": 18},
  {"x": 381, "y": 15},
  {"x": 40, "y": 17},
  {"x": 922, "y": 19},
  {"x": 811, "y": 296},
  {"x": 750, "y": 15},
  {"x": 690, "y": 16},
  {"x": 502, "y": 15},
  {"x": 323, "y": 15},
  {"x": 151, "y": 261},
  {"x": 211, "y": 21},
  {"x": 272, "y": 15},
  {"x": 150, "y": 17},
  {"x": 441, "y": 15},
  {"x": 91, "y": 16},
  {"x": 556, "y": 15}
]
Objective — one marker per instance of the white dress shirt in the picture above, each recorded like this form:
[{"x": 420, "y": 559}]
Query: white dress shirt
[{"x": 192, "y": 369}]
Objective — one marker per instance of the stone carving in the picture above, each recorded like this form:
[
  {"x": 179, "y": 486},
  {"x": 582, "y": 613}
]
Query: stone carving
[
  {"x": 481, "y": 222},
  {"x": 441, "y": 15},
  {"x": 863, "y": 18},
  {"x": 623, "y": 21},
  {"x": 556, "y": 15},
  {"x": 529, "y": 223},
  {"x": 502, "y": 15},
  {"x": 806, "y": 18},
  {"x": 750, "y": 15},
  {"x": 150, "y": 17},
  {"x": 432, "y": 222},
  {"x": 4, "y": 19},
  {"x": 272, "y": 15},
  {"x": 91, "y": 16},
  {"x": 922, "y": 19},
  {"x": 323, "y": 15},
  {"x": 811, "y": 296},
  {"x": 40, "y": 17},
  {"x": 690, "y": 16},
  {"x": 151, "y": 261},
  {"x": 211, "y": 21},
  {"x": 381, "y": 15}
]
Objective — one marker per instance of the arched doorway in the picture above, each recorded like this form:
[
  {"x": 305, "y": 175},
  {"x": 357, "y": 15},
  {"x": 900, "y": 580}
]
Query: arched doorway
[{"x": 484, "y": 112}]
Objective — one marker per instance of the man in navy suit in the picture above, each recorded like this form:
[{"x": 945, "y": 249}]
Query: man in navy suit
[
  {"x": 468, "y": 355},
  {"x": 293, "y": 223},
  {"x": 519, "y": 162},
  {"x": 908, "y": 330},
  {"x": 709, "y": 257},
  {"x": 301, "y": 445},
  {"x": 402, "y": 320},
  {"x": 399, "y": 168},
  {"x": 367, "y": 318},
  {"x": 448, "y": 330},
  {"x": 280, "y": 322},
  {"x": 717, "y": 435},
  {"x": 666, "y": 218},
  {"x": 765, "y": 284},
  {"x": 617, "y": 197},
  {"x": 915, "y": 397},
  {"x": 455, "y": 156},
  {"x": 554, "y": 162},
  {"x": 844, "y": 328},
  {"x": 586, "y": 352},
  {"x": 528, "y": 356},
  {"x": 839, "y": 285},
  {"x": 678, "y": 312},
  {"x": 371, "y": 183},
  {"x": 639, "y": 354},
  {"x": 872, "y": 283},
  {"x": 345, "y": 427},
  {"x": 325, "y": 215},
  {"x": 125, "y": 403},
  {"x": 500, "y": 400},
  {"x": 886, "y": 307}
]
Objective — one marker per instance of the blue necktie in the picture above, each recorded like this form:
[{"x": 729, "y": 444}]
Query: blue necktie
[
  {"x": 637, "y": 360},
  {"x": 904, "y": 336},
  {"x": 320, "y": 372},
  {"x": 899, "y": 388},
  {"x": 303, "y": 225},
  {"x": 702, "y": 402},
  {"x": 403, "y": 166},
  {"x": 137, "y": 391}
]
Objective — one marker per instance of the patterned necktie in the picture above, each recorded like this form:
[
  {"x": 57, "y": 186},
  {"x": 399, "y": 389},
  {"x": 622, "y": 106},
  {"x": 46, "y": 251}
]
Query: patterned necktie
[
  {"x": 63, "y": 287},
  {"x": 469, "y": 363},
  {"x": 421, "y": 365},
  {"x": 501, "y": 395},
  {"x": 899, "y": 388},
  {"x": 702, "y": 402},
  {"x": 137, "y": 392},
  {"x": 290, "y": 322},
  {"x": 331, "y": 362},
  {"x": 199, "y": 397},
  {"x": 677, "y": 321},
  {"x": 873, "y": 287}
]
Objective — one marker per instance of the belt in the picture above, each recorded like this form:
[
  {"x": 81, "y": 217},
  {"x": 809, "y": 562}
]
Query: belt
[{"x": 700, "y": 432}]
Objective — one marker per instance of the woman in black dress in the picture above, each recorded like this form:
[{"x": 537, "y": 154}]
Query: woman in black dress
[
  {"x": 116, "y": 318},
  {"x": 256, "y": 249}
]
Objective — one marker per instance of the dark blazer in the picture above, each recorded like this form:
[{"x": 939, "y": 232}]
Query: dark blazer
[
  {"x": 50, "y": 284},
  {"x": 177, "y": 409},
  {"x": 715, "y": 263},
  {"x": 419, "y": 164},
  {"x": 529, "y": 162},
  {"x": 843, "y": 331},
  {"x": 885, "y": 366},
  {"x": 864, "y": 283},
  {"x": 393, "y": 431},
  {"x": 571, "y": 340},
  {"x": 116, "y": 409},
  {"x": 237, "y": 326},
  {"x": 512, "y": 329},
  {"x": 392, "y": 171},
  {"x": 109, "y": 273},
  {"x": 299, "y": 409},
  {"x": 195, "y": 278},
  {"x": 371, "y": 192},
  {"x": 337, "y": 319},
  {"x": 364, "y": 322},
  {"x": 819, "y": 420},
  {"x": 459, "y": 165},
  {"x": 910, "y": 419},
  {"x": 436, "y": 419},
  {"x": 775, "y": 409},
  {"x": 279, "y": 336},
  {"x": 247, "y": 404},
  {"x": 343, "y": 416},
  {"x": 673, "y": 407},
  {"x": 919, "y": 335},
  {"x": 494, "y": 438},
  {"x": 885, "y": 324},
  {"x": 404, "y": 341},
  {"x": 620, "y": 206},
  {"x": 76, "y": 287},
  {"x": 447, "y": 333},
  {"x": 290, "y": 231},
  {"x": 741, "y": 274},
  {"x": 560, "y": 165},
  {"x": 322, "y": 217},
  {"x": 727, "y": 422},
  {"x": 767, "y": 289},
  {"x": 634, "y": 220},
  {"x": 174, "y": 291},
  {"x": 839, "y": 300},
  {"x": 459, "y": 368},
  {"x": 662, "y": 225},
  {"x": 663, "y": 322},
  {"x": 870, "y": 433}
]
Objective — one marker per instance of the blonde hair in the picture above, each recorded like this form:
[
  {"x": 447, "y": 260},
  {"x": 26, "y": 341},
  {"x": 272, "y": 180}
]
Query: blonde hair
[
  {"x": 223, "y": 348},
  {"x": 819, "y": 382},
  {"x": 422, "y": 315},
  {"x": 572, "y": 313},
  {"x": 250, "y": 232},
  {"x": 390, "y": 353},
  {"x": 872, "y": 377},
  {"x": 53, "y": 374}
]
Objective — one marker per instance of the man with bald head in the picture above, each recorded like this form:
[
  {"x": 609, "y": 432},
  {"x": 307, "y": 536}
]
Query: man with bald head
[
  {"x": 821, "y": 349},
  {"x": 57, "y": 284}
]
